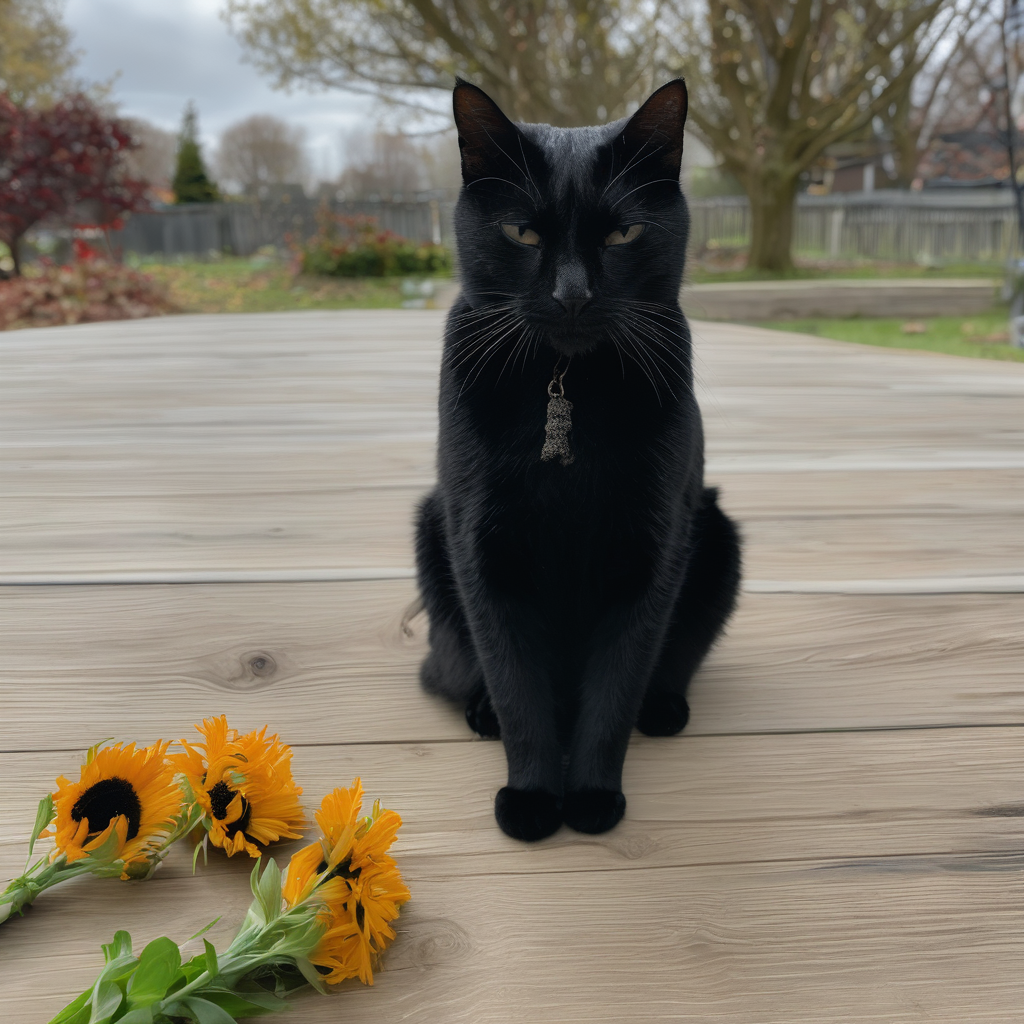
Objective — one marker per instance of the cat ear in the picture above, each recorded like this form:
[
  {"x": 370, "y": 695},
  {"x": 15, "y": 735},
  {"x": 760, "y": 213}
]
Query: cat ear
[
  {"x": 488, "y": 140},
  {"x": 653, "y": 136}
]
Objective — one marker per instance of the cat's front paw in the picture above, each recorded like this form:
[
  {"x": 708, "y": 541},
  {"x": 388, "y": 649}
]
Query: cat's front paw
[
  {"x": 527, "y": 814},
  {"x": 593, "y": 810},
  {"x": 663, "y": 714},
  {"x": 481, "y": 717}
]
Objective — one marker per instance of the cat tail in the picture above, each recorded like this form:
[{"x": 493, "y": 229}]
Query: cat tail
[{"x": 413, "y": 609}]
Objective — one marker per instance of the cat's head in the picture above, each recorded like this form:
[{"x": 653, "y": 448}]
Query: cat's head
[{"x": 572, "y": 228}]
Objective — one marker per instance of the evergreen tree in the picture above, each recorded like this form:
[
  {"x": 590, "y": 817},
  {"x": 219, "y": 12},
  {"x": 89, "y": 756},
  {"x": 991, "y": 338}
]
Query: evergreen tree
[{"x": 191, "y": 182}]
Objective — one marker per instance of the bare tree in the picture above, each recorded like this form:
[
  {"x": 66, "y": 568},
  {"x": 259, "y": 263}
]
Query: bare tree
[
  {"x": 382, "y": 166},
  {"x": 945, "y": 95},
  {"x": 774, "y": 83},
  {"x": 565, "y": 62},
  {"x": 1009, "y": 36},
  {"x": 261, "y": 150},
  {"x": 152, "y": 160},
  {"x": 388, "y": 165}
]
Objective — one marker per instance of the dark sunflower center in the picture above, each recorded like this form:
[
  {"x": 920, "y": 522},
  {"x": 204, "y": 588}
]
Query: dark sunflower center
[
  {"x": 104, "y": 801},
  {"x": 220, "y": 799},
  {"x": 343, "y": 870}
]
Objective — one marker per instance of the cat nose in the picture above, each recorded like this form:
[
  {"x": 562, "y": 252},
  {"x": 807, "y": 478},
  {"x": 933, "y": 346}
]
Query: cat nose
[
  {"x": 575, "y": 304},
  {"x": 571, "y": 293}
]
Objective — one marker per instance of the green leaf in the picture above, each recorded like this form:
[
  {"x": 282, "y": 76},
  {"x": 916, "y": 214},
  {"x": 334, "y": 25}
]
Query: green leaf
[
  {"x": 207, "y": 1012},
  {"x": 76, "y": 1012},
  {"x": 254, "y": 878},
  {"x": 90, "y": 754},
  {"x": 158, "y": 967},
  {"x": 270, "y": 891},
  {"x": 119, "y": 945},
  {"x": 192, "y": 968},
  {"x": 245, "y": 1004},
  {"x": 141, "y": 1015},
  {"x": 311, "y": 974},
  {"x": 204, "y": 929},
  {"x": 211, "y": 958},
  {"x": 106, "y": 1001},
  {"x": 44, "y": 815}
]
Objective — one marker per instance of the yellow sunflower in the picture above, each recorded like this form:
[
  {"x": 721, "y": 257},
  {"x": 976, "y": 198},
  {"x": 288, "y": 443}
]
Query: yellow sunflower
[
  {"x": 244, "y": 785},
  {"x": 358, "y": 883},
  {"x": 123, "y": 808}
]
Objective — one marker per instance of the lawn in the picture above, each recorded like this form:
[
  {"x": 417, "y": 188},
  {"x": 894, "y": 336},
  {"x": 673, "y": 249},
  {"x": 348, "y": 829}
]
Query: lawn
[
  {"x": 262, "y": 285},
  {"x": 982, "y": 335},
  {"x": 707, "y": 272}
]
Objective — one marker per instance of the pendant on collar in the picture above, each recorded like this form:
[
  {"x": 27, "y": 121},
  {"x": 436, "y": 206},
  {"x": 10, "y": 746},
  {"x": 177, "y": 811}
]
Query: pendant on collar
[{"x": 559, "y": 422}]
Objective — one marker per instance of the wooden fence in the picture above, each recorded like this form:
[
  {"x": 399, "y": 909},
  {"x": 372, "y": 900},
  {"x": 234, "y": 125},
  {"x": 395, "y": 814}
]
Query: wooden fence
[
  {"x": 200, "y": 229},
  {"x": 899, "y": 226},
  {"x": 886, "y": 225}
]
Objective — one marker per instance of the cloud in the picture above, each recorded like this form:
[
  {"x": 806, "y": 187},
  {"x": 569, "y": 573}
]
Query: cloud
[{"x": 166, "y": 52}]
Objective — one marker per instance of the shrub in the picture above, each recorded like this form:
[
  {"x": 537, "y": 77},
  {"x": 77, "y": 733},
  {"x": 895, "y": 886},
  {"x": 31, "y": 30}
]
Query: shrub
[
  {"x": 85, "y": 292},
  {"x": 59, "y": 158},
  {"x": 355, "y": 247}
]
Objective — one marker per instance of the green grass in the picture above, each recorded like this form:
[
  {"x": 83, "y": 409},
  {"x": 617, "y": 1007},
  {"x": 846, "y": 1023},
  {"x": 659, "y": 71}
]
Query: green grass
[
  {"x": 259, "y": 285},
  {"x": 698, "y": 274},
  {"x": 972, "y": 336}
]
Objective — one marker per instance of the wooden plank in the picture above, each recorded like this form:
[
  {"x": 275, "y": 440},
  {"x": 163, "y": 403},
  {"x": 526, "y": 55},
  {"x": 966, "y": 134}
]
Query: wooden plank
[
  {"x": 692, "y": 800},
  {"x": 383, "y": 465},
  {"x": 176, "y": 381},
  {"x": 96, "y": 660},
  {"x": 861, "y": 940},
  {"x": 971, "y": 492},
  {"x": 374, "y": 527}
]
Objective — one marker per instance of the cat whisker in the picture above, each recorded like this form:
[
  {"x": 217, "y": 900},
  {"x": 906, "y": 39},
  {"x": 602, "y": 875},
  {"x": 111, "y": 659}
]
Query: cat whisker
[
  {"x": 635, "y": 354},
  {"x": 484, "y": 349},
  {"x": 526, "y": 165},
  {"x": 656, "y": 224},
  {"x": 480, "y": 313},
  {"x": 664, "y": 357},
  {"x": 514, "y": 353},
  {"x": 475, "y": 373},
  {"x": 635, "y": 160},
  {"x": 483, "y": 341},
  {"x": 504, "y": 181},
  {"x": 671, "y": 360},
  {"x": 646, "y": 184}
]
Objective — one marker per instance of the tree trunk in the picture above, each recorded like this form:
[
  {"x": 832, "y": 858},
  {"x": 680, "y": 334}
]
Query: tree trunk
[
  {"x": 772, "y": 209},
  {"x": 12, "y": 245}
]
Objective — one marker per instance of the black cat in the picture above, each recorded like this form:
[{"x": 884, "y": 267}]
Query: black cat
[{"x": 574, "y": 567}]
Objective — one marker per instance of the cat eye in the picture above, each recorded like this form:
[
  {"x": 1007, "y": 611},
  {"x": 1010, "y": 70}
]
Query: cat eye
[
  {"x": 521, "y": 234},
  {"x": 624, "y": 235}
]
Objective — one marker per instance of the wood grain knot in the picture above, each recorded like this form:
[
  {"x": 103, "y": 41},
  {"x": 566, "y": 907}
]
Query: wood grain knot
[
  {"x": 251, "y": 671},
  {"x": 261, "y": 665},
  {"x": 432, "y": 943},
  {"x": 633, "y": 847}
]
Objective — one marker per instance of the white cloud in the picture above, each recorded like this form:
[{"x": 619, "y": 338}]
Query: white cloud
[{"x": 166, "y": 52}]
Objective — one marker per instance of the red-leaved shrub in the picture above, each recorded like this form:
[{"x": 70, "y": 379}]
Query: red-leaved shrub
[
  {"x": 84, "y": 292},
  {"x": 56, "y": 159}
]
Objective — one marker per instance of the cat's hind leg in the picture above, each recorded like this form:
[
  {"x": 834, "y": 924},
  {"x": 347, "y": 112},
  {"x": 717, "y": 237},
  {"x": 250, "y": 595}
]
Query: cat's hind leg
[
  {"x": 451, "y": 669},
  {"x": 705, "y": 603}
]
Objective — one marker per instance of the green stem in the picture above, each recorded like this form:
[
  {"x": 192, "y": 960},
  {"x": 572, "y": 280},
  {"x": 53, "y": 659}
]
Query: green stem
[{"x": 41, "y": 876}]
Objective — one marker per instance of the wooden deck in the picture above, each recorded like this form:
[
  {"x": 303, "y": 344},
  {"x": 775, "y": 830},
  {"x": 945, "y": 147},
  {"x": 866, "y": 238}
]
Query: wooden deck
[{"x": 212, "y": 514}]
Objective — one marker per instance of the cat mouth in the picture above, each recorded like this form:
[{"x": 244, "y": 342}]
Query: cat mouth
[{"x": 574, "y": 339}]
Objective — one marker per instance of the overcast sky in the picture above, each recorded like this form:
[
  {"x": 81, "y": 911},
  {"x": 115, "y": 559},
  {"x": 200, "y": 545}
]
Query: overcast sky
[{"x": 170, "y": 51}]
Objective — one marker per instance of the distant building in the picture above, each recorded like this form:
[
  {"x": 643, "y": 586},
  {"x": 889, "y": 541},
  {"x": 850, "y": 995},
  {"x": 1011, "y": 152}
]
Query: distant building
[
  {"x": 858, "y": 166},
  {"x": 972, "y": 158}
]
